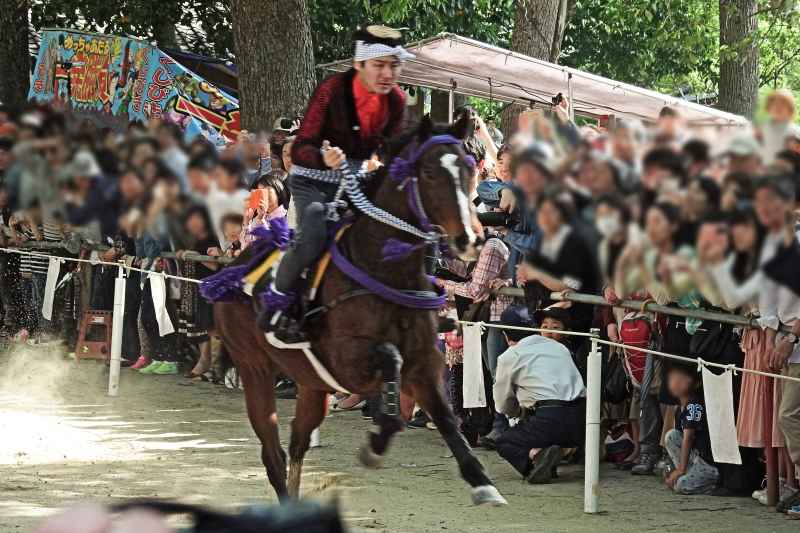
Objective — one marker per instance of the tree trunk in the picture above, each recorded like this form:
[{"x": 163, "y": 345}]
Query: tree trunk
[
  {"x": 15, "y": 60},
  {"x": 275, "y": 59},
  {"x": 538, "y": 32},
  {"x": 164, "y": 32},
  {"x": 440, "y": 105},
  {"x": 738, "y": 69}
]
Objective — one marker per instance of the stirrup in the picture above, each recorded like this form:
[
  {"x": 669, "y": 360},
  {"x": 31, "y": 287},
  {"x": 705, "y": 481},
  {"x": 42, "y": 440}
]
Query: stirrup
[{"x": 286, "y": 329}]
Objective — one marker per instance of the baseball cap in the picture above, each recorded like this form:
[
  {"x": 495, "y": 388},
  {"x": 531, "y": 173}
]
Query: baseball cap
[
  {"x": 516, "y": 316},
  {"x": 83, "y": 165},
  {"x": 743, "y": 146}
]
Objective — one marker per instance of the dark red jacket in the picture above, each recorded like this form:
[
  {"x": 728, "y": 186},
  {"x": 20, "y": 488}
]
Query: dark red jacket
[{"x": 331, "y": 116}]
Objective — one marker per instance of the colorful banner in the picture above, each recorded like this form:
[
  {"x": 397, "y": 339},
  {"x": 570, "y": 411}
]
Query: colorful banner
[{"x": 130, "y": 79}]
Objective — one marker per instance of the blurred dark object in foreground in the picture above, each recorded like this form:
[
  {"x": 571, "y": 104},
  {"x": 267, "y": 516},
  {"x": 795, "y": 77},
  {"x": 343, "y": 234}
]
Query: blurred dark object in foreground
[{"x": 305, "y": 516}]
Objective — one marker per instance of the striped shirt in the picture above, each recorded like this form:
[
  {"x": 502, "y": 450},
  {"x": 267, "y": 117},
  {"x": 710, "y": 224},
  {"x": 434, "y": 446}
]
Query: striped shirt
[
  {"x": 490, "y": 266},
  {"x": 29, "y": 264}
]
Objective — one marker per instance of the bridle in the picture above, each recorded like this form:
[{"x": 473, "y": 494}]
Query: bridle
[{"x": 403, "y": 171}]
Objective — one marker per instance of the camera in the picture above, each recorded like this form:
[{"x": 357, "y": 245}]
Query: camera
[
  {"x": 496, "y": 219},
  {"x": 557, "y": 99}
]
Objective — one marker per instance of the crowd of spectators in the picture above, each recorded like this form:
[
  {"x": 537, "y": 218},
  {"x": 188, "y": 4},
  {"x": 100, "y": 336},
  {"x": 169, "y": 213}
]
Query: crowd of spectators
[
  {"x": 687, "y": 218},
  {"x": 133, "y": 194},
  {"x": 690, "y": 219}
]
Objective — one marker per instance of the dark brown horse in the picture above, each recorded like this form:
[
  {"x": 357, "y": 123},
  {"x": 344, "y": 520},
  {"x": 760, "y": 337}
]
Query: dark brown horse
[{"x": 369, "y": 344}]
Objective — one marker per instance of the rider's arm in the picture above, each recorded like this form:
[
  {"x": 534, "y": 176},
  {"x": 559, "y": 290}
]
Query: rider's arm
[{"x": 307, "y": 143}]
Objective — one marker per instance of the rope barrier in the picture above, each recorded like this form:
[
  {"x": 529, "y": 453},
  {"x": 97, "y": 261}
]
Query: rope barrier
[
  {"x": 637, "y": 305},
  {"x": 698, "y": 361},
  {"x": 575, "y": 297},
  {"x": 100, "y": 262}
]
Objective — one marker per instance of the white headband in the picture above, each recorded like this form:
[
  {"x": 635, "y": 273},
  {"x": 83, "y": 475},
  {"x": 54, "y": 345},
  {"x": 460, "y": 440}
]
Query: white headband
[{"x": 365, "y": 51}]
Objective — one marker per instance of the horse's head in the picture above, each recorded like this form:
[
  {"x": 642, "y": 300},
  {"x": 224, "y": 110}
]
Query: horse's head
[{"x": 436, "y": 157}]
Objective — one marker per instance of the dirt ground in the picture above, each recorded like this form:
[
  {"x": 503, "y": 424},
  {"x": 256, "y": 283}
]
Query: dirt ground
[{"x": 63, "y": 440}]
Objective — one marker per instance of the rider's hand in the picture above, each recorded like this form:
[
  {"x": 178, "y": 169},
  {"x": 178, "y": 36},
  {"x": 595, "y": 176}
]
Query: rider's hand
[
  {"x": 373, "y": 164},
  {"x": 331, "y": 155}
]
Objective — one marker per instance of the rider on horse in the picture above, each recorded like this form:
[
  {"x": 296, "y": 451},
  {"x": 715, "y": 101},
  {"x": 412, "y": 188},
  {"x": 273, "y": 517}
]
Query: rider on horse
[{"x": 350, "y": 113}]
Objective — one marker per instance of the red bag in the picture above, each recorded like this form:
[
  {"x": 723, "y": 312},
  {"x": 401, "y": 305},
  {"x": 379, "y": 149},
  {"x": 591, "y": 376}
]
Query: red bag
[{"x": 637, "y": 329}]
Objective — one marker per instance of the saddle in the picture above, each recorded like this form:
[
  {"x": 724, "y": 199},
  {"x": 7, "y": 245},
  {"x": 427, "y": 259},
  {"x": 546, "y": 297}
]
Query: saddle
[{"x": 254, "y": 270}]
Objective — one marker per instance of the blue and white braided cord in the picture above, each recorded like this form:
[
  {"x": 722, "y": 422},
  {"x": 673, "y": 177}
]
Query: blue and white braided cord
[{"x": 350, "y": 184}]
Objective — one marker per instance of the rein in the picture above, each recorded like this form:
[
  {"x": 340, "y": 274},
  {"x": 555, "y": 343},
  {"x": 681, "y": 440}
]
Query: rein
[{"x": 402, "y": 171}]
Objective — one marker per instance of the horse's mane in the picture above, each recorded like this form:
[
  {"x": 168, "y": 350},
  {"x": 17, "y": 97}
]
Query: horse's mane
[{"x": 394, "y": 146}]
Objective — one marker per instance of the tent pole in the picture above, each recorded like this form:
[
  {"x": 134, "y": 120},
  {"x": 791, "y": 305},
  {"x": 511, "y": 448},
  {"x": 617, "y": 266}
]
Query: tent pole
[
  {"x": 451, "y": 101},
  {"x": 569, "y": 96}
]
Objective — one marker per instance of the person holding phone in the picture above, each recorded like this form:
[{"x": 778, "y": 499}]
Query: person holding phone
[{"x": 269, "y": 200}]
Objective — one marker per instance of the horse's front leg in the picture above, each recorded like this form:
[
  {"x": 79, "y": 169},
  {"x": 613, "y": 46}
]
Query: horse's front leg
[
  {"x": 389, "y": 420},
  {"x": 428, "y": 391},
  {"x": 309, "y": 413}
]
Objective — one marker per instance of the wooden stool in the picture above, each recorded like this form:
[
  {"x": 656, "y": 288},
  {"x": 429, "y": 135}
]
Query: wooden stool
[{"x": 94, "y": 340}]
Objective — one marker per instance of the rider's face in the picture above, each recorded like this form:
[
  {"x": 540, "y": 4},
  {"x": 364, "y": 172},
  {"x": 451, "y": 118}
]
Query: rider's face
[{"x": 379, "y": 75}]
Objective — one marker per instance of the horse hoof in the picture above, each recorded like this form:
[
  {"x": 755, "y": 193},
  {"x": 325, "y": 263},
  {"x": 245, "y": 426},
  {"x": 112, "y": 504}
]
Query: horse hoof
[
  {"x": 487, "y": 495},
  {"x": 369, "y": 459}
]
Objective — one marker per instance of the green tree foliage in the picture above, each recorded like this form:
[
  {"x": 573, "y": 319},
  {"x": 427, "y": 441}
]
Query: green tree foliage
[
  {"x": 667, "y": 45},
  {"x": 201, "y": 26},
  {"x": 333, "y": 21},
  {"x": 659, "y": 44}
]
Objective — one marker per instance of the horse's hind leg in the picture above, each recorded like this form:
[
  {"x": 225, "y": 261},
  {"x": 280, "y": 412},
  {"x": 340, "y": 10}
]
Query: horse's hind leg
[
  {"x": 388, "y": 419},
  {"x": 309, "y": 412},
  {"x": 429, "y": 392},
  {"x": 260, "y": 400}
]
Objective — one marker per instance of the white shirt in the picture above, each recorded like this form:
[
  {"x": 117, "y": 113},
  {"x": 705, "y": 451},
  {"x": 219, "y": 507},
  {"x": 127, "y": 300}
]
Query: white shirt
[
  {"x": 535, "y": 369},
  {"x": 221, "y": 203}
]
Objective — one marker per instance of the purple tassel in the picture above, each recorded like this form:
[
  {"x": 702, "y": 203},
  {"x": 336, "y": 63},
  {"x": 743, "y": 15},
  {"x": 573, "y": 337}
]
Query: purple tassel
[
  {"x": 400, "y": 169},
  {"x": 272, "y": 301},
  {"x": 396, "y": 250},
  {"x": 225, "y": 286},
  {"x": 277, "y": 234}
]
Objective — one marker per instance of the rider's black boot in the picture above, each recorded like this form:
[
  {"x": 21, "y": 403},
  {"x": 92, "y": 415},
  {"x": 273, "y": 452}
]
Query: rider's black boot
[{"x": 275, "y": 318}]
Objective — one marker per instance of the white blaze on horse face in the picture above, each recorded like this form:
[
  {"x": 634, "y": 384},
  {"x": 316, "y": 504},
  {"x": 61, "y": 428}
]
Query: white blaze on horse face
[{"x": 448, "y": 162}]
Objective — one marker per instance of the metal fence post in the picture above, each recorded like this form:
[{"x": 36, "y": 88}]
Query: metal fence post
[
  {"x": 116, "y": 332},
  {"x": 591, "y": 486}
]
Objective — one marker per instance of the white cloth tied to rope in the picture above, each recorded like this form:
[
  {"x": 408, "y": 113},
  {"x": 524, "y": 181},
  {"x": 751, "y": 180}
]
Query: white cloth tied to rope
[
  {"x": 53, "y": 268},
  {"x": 473, "y": 390},
  {"x": 158, "y": 290},
  {"x": 718, "y": 391}
]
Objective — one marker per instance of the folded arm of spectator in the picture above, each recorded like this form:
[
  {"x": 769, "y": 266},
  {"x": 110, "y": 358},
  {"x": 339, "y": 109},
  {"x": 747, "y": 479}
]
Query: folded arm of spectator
[
  {"x": 489, "y": 267},
  {"x": 735, "y": 295}
]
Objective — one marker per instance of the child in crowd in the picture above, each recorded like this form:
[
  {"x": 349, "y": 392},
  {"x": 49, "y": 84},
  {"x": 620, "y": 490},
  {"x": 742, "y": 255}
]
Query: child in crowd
[
  {"x": 232, "y": 228},
  {"x": 689, "y": 445},
  {"x": 273, "y": 204}
]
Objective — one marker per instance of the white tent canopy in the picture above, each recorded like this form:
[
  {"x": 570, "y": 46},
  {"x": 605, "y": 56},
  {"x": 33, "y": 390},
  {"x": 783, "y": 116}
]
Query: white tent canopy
[{"x": 451, "y": 62}]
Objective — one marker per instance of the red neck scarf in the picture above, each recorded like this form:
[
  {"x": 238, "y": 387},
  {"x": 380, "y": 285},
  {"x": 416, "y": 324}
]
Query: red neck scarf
[{"x": 372, "y": 109}]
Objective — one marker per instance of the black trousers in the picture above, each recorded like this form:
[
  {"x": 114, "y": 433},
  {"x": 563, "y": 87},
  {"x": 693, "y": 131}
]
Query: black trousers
[{"x": 547, "y": 426}]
